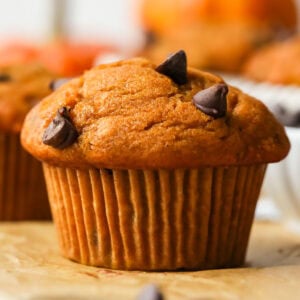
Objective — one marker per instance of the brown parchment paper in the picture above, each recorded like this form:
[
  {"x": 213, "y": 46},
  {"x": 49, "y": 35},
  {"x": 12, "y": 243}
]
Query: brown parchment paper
[{"x": 31, "y": 268}]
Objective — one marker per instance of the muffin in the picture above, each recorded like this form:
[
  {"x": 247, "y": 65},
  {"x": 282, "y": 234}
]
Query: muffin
[
  {"x": 276, "y": 63},
  {"x": 23, "y": 193},
  {"x": 153, "y": 167},
  {"x": 236, "y": 42},
  {"x": 216, "y": 35}
]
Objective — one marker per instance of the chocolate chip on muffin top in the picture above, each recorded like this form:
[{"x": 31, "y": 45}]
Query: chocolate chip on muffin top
[
  {"x": 60, "y": 133},
  {"x": 212, "y": 101},
  {"x": 175, "y": 67}
]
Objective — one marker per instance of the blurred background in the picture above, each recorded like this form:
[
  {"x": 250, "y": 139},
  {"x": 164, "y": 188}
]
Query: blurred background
[
  {"x": 202, "y": 27},
  {"x": 113, "y": 21}
]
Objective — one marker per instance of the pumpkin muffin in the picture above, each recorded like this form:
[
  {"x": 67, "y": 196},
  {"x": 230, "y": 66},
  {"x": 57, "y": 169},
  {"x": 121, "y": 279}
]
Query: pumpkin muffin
[
  {"x": 22, "y": 194},
  {"x": 276, "y": 63},
  {"x": 153, "y": 167},
  {"x": 203, "y": 42},
  {"x": 217, "y": 35}
]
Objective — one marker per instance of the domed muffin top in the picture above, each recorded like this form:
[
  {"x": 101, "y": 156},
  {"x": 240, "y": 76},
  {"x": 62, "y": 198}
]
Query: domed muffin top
[
  {"x": 21, "y": 87},
  {"x": 132, "y": 114}
]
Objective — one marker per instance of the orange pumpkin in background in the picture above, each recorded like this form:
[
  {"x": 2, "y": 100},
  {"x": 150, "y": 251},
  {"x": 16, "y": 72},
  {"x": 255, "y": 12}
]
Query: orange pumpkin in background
[{"x": 216, "y": 34}]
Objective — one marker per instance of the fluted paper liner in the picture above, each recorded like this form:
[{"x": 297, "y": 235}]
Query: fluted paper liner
[
  {"x": 154, "y": 219},
  {"x": 23, "y": 193}
]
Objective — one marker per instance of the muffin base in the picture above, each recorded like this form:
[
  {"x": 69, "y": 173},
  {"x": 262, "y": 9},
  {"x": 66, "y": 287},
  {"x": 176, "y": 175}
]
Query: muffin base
[
  {"x": 154, "y": 219},
  {"x": 23, "y": 193}
]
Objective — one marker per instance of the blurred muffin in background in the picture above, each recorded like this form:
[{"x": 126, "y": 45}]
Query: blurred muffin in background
[
  {"x": 215, "y": 34},
  {"x": 276, "y": 63},
  {"x": 22, "y": 188},
  {"x": 26, "y": 71}
]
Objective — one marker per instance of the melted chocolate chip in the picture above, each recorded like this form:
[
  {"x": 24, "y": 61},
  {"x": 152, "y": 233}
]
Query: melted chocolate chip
[
  {"x": 212, "y": 101},
  {"x": 60, "y": 133},
  {"x": 57, "y": 83},
  {"x": 175, "y": 67},
  {"x": 150, "y": 292},
  {"x": 286, "y": 117},
  {"x": 4, "y": 77}
]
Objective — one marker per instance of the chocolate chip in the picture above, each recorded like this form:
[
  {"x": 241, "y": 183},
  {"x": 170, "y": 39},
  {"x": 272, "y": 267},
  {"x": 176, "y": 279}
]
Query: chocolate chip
[
  {"x": 175, "y": 67},
  {"x": 60, "y": 133},
  {"x": 212, "y": 101},
  {"x": 286, "y": 117},
  {"x": 150, "y": 292},
  {"x": 4, "y": 77},
  {"x": 57, "y": 83}
]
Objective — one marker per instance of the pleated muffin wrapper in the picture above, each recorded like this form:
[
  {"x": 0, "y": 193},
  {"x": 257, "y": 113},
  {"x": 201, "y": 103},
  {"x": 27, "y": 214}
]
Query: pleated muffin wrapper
[
  {"x": 179, "y": 219},
  {"x": 23, "y": 194}
]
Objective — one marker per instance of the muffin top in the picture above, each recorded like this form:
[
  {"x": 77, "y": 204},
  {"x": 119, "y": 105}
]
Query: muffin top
[
  {"x": 21, "y": 87},
  {"x": 132, "y": 114}
]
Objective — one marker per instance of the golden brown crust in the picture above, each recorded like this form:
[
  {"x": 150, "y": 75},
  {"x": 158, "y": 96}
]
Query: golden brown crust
[
  {"x": 29, "y": 84},
  {"x": 130, "y": 116},
  {"x": 276, "y": 63}
]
